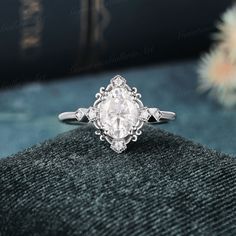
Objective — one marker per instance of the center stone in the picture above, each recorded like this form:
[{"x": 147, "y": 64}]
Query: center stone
[{"x": 118, "y": 113}]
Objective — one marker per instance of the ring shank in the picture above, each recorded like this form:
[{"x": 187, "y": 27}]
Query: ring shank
[
  {"x": 167, "y": 115},
  {"x": 71, "y": 118},
  {"x": 67, "y": 116}
]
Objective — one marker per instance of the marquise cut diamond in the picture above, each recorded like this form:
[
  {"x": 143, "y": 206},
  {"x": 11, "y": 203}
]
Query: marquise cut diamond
[{"x": 119, "y": 113}]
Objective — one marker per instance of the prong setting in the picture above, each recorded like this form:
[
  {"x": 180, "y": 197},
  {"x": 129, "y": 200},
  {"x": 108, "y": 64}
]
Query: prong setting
[
  {"x": 120, "y": 91},
  {"x": 118, "y": 114}
]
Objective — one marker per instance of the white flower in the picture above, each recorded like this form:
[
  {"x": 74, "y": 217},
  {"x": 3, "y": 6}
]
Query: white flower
[
  {"x": 227, "y": 31},
  {"x": 217, "y": 69}
]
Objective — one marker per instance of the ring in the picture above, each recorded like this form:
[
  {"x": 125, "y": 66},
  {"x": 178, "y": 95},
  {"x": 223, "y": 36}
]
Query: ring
[{"x": 118, "y": 114}]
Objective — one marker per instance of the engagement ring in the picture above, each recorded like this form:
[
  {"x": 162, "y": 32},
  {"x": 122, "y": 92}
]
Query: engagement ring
[{"x": 118, "y": 114}]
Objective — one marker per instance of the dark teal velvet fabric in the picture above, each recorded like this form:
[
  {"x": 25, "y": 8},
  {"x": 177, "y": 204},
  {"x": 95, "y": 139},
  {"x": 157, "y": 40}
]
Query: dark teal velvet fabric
[{"x": 75, "y": 185}]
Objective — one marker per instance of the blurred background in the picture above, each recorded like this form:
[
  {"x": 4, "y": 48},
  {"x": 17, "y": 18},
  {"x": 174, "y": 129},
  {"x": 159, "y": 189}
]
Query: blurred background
[{"x": 55, "y": 55}]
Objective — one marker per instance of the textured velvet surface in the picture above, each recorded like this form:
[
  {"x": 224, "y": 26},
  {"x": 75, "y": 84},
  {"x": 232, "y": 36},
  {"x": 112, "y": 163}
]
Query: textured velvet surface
[
  {"x": 75, "y": 185},
  {"x": 28, "y": 114}
]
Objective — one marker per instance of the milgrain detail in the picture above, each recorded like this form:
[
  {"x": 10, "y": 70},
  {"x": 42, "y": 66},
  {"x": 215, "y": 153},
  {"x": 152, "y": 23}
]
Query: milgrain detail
[{"x": 31, "y": 18}]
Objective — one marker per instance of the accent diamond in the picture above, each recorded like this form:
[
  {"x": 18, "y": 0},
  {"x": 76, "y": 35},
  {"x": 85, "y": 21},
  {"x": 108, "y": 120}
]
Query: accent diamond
[
  {"x": 79, "y": 115},
  {"x": 144, "y": 114},
  {"x": 118, "y": 146},
  {"x": 92, "y": 114},
  {"x": 155, "y": 113},
  {"x": 118, "y": 81}
]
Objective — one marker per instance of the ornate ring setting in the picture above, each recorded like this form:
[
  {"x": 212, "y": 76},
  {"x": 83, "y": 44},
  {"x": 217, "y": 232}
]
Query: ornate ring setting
[{"x": 118, "y": 114}]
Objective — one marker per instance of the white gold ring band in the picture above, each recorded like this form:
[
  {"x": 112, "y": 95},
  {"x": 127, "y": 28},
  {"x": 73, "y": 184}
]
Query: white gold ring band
[{"x": 118, "y": 114}]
